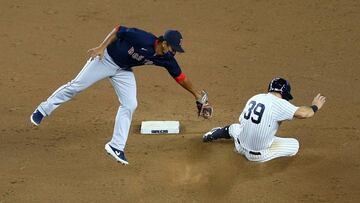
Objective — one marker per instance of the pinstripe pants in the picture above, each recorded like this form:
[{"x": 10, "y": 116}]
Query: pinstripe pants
[{"x": 280, "y": 147}]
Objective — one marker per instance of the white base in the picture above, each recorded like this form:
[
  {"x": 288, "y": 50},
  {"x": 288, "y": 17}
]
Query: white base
[{"x": 160, "y": 127}]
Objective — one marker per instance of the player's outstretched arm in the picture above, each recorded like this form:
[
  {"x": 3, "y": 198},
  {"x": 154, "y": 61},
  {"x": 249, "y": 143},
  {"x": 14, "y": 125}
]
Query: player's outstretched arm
[
  {"x": 205, "y": 110},
  {"x": 186, "y": 84},
  {"x": 99, "y": 50},
  {"x": 309, "y": 111}
]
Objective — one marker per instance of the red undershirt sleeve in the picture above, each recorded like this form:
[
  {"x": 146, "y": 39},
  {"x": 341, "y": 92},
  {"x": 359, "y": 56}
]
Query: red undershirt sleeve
[{"x": 180, "y": 78}]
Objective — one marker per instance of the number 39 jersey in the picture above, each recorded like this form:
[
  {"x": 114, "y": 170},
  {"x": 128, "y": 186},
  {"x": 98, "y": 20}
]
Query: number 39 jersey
[{"x": 260, "y": 120}]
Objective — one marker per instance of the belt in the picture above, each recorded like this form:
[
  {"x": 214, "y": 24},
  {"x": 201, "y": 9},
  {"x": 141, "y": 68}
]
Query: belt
[
  {"x": 254, "y": 153},
  {"x": 250, "y": 152}
]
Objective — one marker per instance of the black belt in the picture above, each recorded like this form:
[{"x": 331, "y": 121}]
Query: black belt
[
  {"x": 250, "y": 152},
  {"x": 254, "y": 153}
]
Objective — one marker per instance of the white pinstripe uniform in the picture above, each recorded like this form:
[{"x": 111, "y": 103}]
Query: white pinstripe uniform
[{"x": 255, "y": 137}]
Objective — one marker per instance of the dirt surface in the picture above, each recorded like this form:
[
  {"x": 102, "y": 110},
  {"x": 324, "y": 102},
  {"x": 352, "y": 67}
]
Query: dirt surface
[{"x": 233, "y": 49}]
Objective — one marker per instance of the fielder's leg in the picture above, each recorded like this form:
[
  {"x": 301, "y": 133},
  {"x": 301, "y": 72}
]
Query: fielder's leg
[
  {"x": 92, "y": 72},
  {"x": 125, "y": 87}
]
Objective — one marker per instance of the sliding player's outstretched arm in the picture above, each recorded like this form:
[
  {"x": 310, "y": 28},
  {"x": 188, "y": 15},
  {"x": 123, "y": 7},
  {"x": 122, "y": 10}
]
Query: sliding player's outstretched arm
[{"x": 309, "y": 111}]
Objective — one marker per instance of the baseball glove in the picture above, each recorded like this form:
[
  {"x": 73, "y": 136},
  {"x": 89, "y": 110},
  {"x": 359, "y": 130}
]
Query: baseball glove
[{"x": 205, "y": 110}]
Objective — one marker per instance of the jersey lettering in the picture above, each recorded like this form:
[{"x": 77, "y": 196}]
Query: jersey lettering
[
  {"x": 257, "y": 109},
  {"x": 148, "y": 62},
  {"x": 131, "y": 51},
  {"x": 135, "y": 55},
  {"x": 259, "y": 120},
  {"x": 252, "y": 105}
]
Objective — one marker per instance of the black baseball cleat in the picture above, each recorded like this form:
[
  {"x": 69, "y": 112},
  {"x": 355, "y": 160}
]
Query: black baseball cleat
[
  {"x": 36, "y": 117},
  {"x": 211, "y": 135},
  {"x": 117, "y": 154}
]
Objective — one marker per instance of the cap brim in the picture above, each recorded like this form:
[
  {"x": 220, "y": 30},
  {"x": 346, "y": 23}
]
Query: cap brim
[{"x": 178, "y": 49}]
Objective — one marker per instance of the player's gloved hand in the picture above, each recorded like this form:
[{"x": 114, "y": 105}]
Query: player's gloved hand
[{"x": 205, "y": 110}]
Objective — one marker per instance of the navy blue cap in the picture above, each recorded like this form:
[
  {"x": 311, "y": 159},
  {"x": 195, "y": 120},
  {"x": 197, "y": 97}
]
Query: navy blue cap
[{"x": 173, "y": 37}]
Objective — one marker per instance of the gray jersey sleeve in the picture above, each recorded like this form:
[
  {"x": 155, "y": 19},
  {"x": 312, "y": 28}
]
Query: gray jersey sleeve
[{"x": 283, "y": 110}]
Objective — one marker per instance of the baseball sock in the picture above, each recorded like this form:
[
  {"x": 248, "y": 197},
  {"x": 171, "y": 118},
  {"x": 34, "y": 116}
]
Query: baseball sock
[{"x": 222, "y": 133}]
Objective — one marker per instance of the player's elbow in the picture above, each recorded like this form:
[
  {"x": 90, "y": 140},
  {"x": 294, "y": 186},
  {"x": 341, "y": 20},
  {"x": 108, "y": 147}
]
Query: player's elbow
[{"x": 181, "y": 78}]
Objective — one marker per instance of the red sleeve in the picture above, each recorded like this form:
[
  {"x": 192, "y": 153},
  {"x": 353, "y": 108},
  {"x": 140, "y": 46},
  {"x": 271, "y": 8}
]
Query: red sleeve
[{"x": 180, "y": 78}]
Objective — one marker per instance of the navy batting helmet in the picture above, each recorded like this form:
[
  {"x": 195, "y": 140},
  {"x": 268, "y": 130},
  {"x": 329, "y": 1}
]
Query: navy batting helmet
[{"x": 281, "y": 86}]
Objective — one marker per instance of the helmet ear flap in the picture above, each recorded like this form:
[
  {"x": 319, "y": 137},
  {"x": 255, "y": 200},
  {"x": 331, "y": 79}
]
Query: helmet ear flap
[{"x": 286, "y": 93}]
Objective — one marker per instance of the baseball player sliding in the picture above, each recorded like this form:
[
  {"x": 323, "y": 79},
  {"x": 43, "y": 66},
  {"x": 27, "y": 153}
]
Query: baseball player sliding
[
  {"x": 123, "y": 49},
  {"x": 254, "y": 136}
]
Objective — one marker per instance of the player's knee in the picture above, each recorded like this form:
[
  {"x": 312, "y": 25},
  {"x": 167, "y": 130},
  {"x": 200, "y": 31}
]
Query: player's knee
[
  {"x": 75, "y": 87},
  {"x": 295, "y": 146},
  {"x": 130, "y": 105},
  {"x": 234, "y": 130}
]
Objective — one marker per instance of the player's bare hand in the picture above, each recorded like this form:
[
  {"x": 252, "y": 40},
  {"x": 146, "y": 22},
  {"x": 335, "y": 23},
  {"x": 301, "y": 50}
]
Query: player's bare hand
[
  {"x": 319, "y": 100},
  {"x": 97, "y": 51}
]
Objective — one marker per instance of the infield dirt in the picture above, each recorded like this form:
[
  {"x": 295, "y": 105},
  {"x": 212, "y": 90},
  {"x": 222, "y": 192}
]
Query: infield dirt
[{"x": 233, "y": 49}]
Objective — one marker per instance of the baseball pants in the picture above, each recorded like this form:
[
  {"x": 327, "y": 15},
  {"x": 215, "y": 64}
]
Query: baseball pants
[
  {"x": 94, "y": 70},
  {"x": 280, "y": 147}
]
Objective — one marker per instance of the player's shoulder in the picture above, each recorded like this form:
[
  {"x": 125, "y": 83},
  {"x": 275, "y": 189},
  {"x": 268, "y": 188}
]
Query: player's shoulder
[
  {"x": 259, "y": 96},
  {"x": 267, "y": 98},
  {"x": 137, "y": 31},
  {"x": 144, "y": 32},
  {"x": 280, "y": 102},
  {"x": 256, "y": 98}
]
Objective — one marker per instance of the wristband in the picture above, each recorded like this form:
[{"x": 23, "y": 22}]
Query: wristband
[{"x": 314, "y": 108}]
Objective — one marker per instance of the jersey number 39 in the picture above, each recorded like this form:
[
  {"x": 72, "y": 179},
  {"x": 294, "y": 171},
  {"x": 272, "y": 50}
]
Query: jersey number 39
[{"x": 258, "y": 110}]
